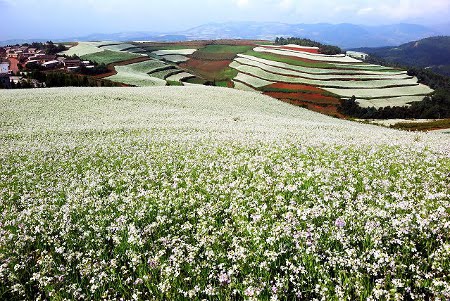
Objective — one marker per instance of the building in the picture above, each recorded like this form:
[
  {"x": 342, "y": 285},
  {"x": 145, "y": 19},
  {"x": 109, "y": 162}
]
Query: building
[
  {"x": 43, "y": 58},
  {"x": 72, "y": 64},
  {"x": 51, "y": 64},
  {"x": 357, "y": 55},
  {"x": 4, "y": 67}
]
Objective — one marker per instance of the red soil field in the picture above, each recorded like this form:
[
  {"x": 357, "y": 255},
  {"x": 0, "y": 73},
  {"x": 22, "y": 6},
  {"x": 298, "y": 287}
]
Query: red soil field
[
  {"x": 295, "y": 87},
  {"x": 207, "y": 69},
  {"x": 313, "y": 98}
]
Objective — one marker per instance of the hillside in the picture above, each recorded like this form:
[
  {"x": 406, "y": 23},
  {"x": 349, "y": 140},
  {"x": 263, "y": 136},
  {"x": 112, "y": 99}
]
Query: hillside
[
  {"x": 179, "y": 193},
  {"x": 433, "y": 53}
]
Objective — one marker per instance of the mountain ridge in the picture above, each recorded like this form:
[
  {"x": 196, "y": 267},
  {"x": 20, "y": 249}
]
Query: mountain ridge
[
  {"x": 431, "y": 53},
  {"x": 344, "y": 35}
]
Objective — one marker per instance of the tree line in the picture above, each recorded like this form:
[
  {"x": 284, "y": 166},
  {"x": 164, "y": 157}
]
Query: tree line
[{"x": 323, "y": 48}]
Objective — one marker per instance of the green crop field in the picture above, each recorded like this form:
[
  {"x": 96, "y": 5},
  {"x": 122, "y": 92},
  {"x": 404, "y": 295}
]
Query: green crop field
[
  {"x": 200, "y": 193},
  {"x": 162, "y": 74},
  {"x": 109, "y": 57},
  {"x": 226, "y": 49},
  {"x": 288, "y": 60}
]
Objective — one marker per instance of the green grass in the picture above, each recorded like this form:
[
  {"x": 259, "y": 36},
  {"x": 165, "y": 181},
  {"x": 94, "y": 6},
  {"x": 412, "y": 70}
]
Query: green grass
[
  {"x": 423, "y": 126},
  {"x": 226, "y": 49},
  {"x": 174, "y": 83},
  {"x": 163, "y": 74},
  {"x": 220, "y": 52},
  {"x": 108, "y": 57},
  {"x": 289, "y": 60},
  {"x": 223, "y": 83},
  {"x": 227, "y": 74},
  {"x": 195, "y": 80},
  {"x": 166, "y": 47}
]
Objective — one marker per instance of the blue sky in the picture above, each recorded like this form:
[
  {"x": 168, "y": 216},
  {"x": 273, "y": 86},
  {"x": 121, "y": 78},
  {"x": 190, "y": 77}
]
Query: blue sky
[{"x": 71, "y": 18}]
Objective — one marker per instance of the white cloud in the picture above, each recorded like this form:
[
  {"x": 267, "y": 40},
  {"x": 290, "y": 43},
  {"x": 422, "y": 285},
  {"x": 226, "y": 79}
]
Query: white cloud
[
  {"x": 286, "y": 4},
  {"x": 242, "y": 3},
  {"x": 365, "y": 10}
]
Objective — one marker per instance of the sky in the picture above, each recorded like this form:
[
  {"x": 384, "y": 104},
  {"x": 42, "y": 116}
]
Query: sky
[{"x": 27, "y": 19}]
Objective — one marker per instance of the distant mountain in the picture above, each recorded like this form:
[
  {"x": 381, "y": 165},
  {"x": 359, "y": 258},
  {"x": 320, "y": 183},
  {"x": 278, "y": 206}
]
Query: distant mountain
[
  {"x": 433, "y": 53},
  {"x": 343, "y": 35}
]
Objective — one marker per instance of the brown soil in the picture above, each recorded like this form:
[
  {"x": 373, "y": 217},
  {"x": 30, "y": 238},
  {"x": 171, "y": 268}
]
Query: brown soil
[
  {"x": 206, "y": 69},
  {"x": 295, "y": 87},
  {"x": 309, "y": 97},
  {"x": 324, "y": 109}
]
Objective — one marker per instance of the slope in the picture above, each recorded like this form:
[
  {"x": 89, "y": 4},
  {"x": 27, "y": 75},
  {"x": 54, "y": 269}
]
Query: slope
[{"x": 431, "y": 53}]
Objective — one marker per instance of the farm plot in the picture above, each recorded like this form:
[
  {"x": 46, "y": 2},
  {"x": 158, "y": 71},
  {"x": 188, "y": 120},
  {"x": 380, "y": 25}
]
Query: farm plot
[
  {"x": 82, "y": 49},
  {"x": 308, "y": 97},
  {"x": 136, "y": 75},
  {"x": 119, "y": 193},
  {"x": 174, "y": 52},
  {"x": 257, "y": 72},
  {"x": 393, "y": 101},
  {"x": 309, "y": 56},
  {"x": 148, "y": 66},
  {"x": 295, "y": 48},
  {"x": 252, "y": 81},
  {"x": 179, "y": 77},
  {"x": 288, "y": 72},
  {"x": 327, "y": 70},
  {"x": 108, "y": 57},
  {"x": 163, "y": 74},
  {"x": 175, "y": 58},
  {"x": 130, "y": 77},
  {"x": 418, "y": 90},
  {"x": 243, "y": 87},
  {"x": 119, "y": 47}
]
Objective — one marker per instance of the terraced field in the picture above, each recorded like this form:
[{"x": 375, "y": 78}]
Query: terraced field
[
  {"x": 83, "y": 48},
  {"x": 338, "y": 75},
  {"x": 206, "y": 193},
  {"x": 108, "y": 57},
  {"x": 137, "y": 74},
  {"x": 162, "y": 74}
]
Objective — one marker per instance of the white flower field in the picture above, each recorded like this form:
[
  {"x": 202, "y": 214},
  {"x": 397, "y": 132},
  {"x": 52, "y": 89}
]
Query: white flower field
[
  {"x": 197, "y": 193},
  {"x": 83, "y": 48},
  {"x": 310, "y": 56}
]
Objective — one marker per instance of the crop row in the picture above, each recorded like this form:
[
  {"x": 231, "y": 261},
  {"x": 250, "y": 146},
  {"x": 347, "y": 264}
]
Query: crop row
[
  {"x": 263, "y": 74},
  {"x": 309, "y": 56},
  {"x": 289, "y": 72}
]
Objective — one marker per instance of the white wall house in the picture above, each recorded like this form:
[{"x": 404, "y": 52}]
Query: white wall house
[{"x": 4, "y": 67}]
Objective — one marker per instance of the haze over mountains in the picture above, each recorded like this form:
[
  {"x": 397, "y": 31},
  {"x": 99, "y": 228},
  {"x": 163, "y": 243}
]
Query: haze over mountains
[{"x": 344, "y": 35}]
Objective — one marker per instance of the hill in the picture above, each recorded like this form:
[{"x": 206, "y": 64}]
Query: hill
[
  {"x": 432, "y": 53},
  {"x": 212, "y": 193}
]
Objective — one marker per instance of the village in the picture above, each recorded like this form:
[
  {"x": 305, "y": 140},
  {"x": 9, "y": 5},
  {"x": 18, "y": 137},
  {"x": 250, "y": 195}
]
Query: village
[{"x": 17, "y": 60}]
